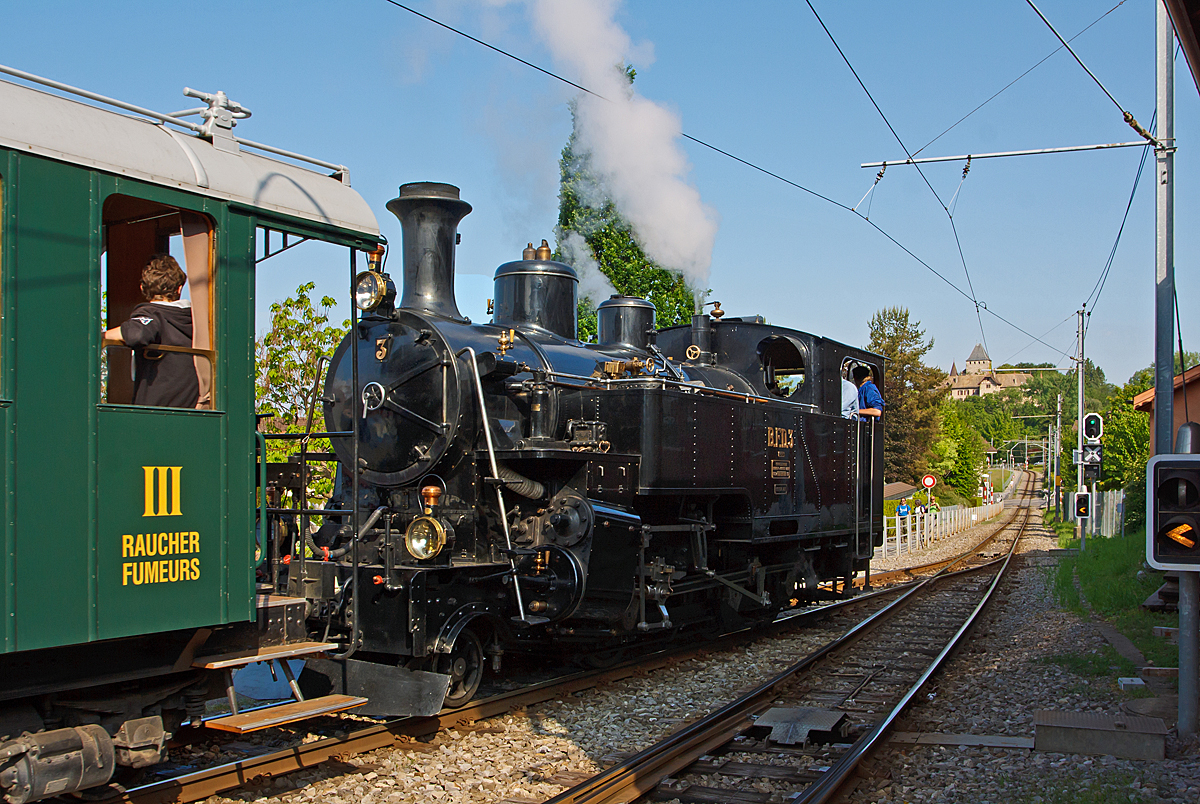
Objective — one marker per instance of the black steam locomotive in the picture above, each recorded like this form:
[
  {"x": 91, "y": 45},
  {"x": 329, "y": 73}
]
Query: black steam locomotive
[{"x": 506, "y": 487}]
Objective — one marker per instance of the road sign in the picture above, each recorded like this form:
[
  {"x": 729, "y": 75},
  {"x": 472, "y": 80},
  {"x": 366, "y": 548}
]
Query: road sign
[
  {"x": 1093, "y": 453},
  {"x": 929, "y": 481}
]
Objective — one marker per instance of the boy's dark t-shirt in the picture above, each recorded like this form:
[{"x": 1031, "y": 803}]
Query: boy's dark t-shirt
[{"x": 162, "y": 379}]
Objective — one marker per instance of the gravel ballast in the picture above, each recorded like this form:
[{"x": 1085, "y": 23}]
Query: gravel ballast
[{"x": 992, "y": 688}]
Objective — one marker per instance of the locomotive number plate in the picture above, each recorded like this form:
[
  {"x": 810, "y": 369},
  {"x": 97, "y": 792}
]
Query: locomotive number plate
[{"x": 781, "y": 470}]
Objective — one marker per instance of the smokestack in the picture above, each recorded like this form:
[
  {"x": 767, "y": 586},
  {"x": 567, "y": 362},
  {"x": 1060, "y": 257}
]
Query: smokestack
[{"x": 429, "y": 213}]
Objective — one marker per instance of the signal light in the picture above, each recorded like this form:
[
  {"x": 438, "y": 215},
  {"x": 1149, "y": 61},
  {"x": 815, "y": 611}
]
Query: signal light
[
  {"x": 1083, "y": 504},
  {"x": 1173, "y": 512},
  {"x": 1093, "y": 426}
]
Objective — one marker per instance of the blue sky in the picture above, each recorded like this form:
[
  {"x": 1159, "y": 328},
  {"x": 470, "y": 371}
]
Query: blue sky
[{"x": 397, "y": 99}]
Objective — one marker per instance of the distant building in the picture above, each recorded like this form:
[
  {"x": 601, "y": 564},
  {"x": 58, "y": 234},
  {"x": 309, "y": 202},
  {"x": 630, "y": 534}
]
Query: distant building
[{"x": 978, "y": 378}]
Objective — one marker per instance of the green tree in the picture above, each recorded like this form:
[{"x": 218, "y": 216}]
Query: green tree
[
  {"x": 911, "y": 392},
  {"x": 1126, "y": 443},
  {"x": 583, "y": 208},
  {"x": 957, "y": 453},
  {"x": 287, "y": 383}
]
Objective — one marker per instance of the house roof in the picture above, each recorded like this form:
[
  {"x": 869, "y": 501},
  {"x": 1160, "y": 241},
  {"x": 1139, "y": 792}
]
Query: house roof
[
  {"x": 953, "y": 370},
  {"x": 1145, "y": 400},
  {"x": 978, "y": 354},
  {"x": 1006, "y": 380},
  {"x": 1185, "y": 14},
  {"x": 897, "y": 491}
]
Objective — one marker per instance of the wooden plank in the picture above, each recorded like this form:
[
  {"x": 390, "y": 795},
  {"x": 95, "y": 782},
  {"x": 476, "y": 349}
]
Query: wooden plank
[
  {"x": 974, "y": 740},
  {"x": 240, "y": 658},
  {"x": 285, "y": 713}
]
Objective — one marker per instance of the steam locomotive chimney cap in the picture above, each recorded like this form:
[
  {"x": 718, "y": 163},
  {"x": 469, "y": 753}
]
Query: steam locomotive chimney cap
[{"x": 429, "y": 189}]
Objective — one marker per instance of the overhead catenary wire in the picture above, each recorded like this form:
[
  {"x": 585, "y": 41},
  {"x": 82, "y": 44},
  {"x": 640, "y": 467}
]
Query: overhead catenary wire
[
  {"x": 746, "y": 163},
  {"x": 1015, "y": 80},
  {"x": 1129, "y": 118},
  {"x": 907, "y": 153},
  {"x": 1094, "y": 296}
]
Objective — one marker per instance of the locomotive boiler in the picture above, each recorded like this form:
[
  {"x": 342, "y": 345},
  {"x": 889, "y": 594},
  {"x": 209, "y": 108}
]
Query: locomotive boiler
[{"x": 513, "y": 489}]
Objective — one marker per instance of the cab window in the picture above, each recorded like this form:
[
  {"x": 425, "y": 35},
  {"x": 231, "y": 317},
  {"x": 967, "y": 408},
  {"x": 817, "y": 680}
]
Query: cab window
[
  {"x": 138, "y": 233},
  {"x": 783, "y": 365}
]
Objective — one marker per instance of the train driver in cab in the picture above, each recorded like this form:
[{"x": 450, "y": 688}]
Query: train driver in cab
[
  {"x": 161, "y": 379},
  {"x": 870, "y": 402}
]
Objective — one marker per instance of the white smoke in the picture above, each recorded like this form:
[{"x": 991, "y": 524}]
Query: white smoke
[
  {"x": 578, "y": 254},
  {"x": 633, "y": 144}
]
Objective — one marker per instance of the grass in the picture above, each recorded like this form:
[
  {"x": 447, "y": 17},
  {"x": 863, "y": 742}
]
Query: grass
[
  {"x": 1107, "y": 573},
  {"x": 1106, "y": 788},
  {"x": 1105, "y": 662}
]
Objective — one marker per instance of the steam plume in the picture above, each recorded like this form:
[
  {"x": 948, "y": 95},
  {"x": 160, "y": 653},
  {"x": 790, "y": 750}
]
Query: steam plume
[
  {"x": 632, "y": 142},
  {"x": 577, "y": 253}
]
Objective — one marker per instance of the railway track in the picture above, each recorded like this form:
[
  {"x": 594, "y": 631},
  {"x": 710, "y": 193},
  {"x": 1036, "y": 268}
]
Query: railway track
[
  {"x": 405, "y": 732},
  {"x": 805, "y": 731}
]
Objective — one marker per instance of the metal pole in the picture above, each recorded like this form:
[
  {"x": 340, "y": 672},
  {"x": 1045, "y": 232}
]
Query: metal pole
[
  {"x": 1080, "y": 530},
  {"x": 1164, "y": 359},
  {"x": 1057, "y": 459}
]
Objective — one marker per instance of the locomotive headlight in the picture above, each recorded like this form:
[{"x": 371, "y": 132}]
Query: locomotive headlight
[
  {"x": 369, "y": 289},
  {"x": 425, "y": 537}
]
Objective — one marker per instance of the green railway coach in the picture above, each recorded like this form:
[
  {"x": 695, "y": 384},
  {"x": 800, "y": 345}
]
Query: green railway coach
[{"x": 128, "y": 532}]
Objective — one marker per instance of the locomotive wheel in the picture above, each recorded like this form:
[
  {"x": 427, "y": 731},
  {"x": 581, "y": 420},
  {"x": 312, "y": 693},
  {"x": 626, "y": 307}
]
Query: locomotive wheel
[{"x": 464, "y": 665}]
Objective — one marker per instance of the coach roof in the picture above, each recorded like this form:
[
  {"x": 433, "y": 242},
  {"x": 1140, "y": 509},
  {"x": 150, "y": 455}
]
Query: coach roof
[{"x": 70, "y": 131}]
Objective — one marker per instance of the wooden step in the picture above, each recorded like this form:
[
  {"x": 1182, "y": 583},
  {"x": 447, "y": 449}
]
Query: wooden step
[
  {"x": 284, "y": 713},
  {"x": 240, "y": 658}
]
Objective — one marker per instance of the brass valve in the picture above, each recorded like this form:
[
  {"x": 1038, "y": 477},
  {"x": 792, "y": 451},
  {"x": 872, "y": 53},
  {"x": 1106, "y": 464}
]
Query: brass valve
[{"x": 506, "y": 340}]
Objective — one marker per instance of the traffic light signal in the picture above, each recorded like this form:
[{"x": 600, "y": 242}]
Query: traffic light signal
[
  {"x": 1083, "y": 505},
  {"x": 1173, "y": 512},
  {"x": 1093, "y": 426}
]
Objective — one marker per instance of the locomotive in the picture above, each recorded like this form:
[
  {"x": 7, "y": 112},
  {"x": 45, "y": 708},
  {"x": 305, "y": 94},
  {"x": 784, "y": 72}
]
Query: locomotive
[
  {"x": 505, "y": 487},
  {"x": 499, "y": 487}
]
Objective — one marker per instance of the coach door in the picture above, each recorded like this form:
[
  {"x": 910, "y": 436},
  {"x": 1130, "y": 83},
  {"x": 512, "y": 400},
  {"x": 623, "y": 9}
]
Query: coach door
[{"x": 160, "y": 545}]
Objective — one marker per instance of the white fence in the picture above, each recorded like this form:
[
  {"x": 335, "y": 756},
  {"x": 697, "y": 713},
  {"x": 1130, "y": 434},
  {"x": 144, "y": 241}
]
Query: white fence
[
  {"x": 1108, "y": 513},
  {"x": 904, "y": 534}
]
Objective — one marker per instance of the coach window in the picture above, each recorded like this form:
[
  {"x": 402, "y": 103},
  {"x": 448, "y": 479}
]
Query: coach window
[
  {"x": 783, "y": 365},
  {"x": 135, "y": 230}
]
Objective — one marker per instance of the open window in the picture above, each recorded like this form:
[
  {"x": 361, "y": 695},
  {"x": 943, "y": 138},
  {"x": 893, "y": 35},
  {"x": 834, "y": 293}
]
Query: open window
[
  {"x": 784, "y": 364},
  {"x": 134, "y": 231}
]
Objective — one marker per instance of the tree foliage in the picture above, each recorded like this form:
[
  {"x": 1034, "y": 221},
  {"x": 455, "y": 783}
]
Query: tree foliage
[
  {"x": 958, "y": 451},
  {"x": 287, "y": 382},
  {"x": 583, "y": 208},
  {"x": 910, "y": 392}
]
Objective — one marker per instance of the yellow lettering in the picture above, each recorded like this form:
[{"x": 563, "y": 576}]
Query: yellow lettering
[
  {"x": 176, "y": 508},
  {"x": 138, "y": 573},
  {"x": 139, "y": 548},
  {"x": 195, "y": 542},
  {"x": 127, "y": 545},
  {"x": 126, "y": 573},
  {"x": 163, "y": 567},
  {"x": 173, "y": 543},
  {"x": 150, "y": 572},
  {"x": 195, "y": 569},
  {"x": 174, "y": 574},
  {"x": 163, "y": 540},
  {"x": 163, "y": 490},
  {"x": 150, "y": 472}
]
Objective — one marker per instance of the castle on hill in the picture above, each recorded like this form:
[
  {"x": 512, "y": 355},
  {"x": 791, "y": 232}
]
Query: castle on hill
[{"x": 978, "y": 379}]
